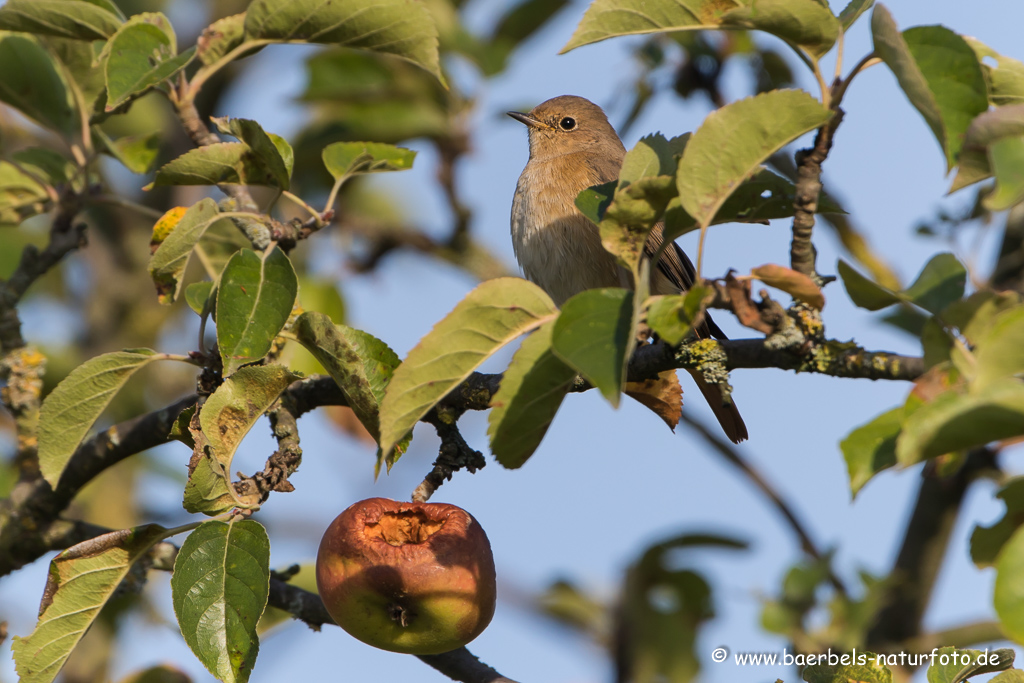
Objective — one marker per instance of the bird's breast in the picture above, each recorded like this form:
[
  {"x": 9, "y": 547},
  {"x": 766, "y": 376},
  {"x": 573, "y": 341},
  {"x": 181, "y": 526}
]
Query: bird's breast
[{"x": 557, "y": 247}]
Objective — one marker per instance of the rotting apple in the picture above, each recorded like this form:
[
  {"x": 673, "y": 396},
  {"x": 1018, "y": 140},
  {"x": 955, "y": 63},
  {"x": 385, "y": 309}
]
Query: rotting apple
[{"x": 416, "y": 578}]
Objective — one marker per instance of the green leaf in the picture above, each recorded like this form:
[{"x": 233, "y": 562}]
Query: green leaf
[
  {"x": 653, "y": 155},
  {"x": 610, "y": 18},
  {"x": 1008, "y": 676},
  {"x": 954, "y": 665},
  {"x": 632, "y": 214},
  {"x": 221, "y": 241},
  {"x": 45, "y": 163},
  {"x": 21, "y": 195},
  {"x": 142, "y": 54},
  {"x": 1005, "y": 79},
  {"x": 71, "y": 409},
  {"x": 530, "y": 394},
  {"x": 275, "y": 155},
  {"x": 254, "y": 301},
  {"x": 673, "y": 317},
  {"x": 360, "y": 364},
  {"x": 955, "y": 421},
  {"x": 936, "y": 343},
  {"x": 80, "y": 70},
  {"x": 976, "y": 315},
  {"x": 161, "y": 673},
  {"x": 397, "y": 27},
  {"x": 940, "y": 283},
  {"x": 866, "y": 670},
  {"x": 209, "y": 489},
  {"x": 220, "y": 38},
  {"x": 137, "y": 152},
  {"x": 168, "y": 263},
  {"x": 938, "y": 72},
  {"x": 763, "y": 196},
  {"x": 999, "y": 352},
  {"x": 1009, "y": 589},
  {"x": 197, "y": 294},
  {"x": 594, "y": 335},
  {"x": 863, "y": 292},
  {"x": 219, "y": 589},
  {"x": 1006, "y": 159},
  {"x": 733, "y": 141},
  {"x": 224, "y": 162},
  {"x": 490, "y": 316},
  {"x": 985, "y": 130},
  {"x": 852, "y": 12},
  {"x": 662, "y": 608},
  {"x": 955, "y": 78},
  {"x": 805, "y": 23},
  {"x": 80, "y": 582},
  {"x": 355, "y": 158},
  {"x": 986, "y": 542},
  {"x": 78, "y": 19},
  {"x": 871, "y": 448},
  {"x": 594, "y": 201},
  {"x": 32, "y": 84},
  {"x": 231, "y": 411}
]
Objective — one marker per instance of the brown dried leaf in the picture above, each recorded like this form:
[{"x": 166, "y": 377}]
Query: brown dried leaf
[
  {"x": 797, "y": 285},
  {"x": 743, "y": 306},
  {"x": 663, "y": 396},
  {"x": 937, "y": 380}
]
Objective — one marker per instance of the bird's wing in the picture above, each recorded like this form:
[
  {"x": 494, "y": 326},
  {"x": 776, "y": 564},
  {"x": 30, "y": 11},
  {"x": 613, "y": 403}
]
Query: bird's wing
[{"x": 676, "y": 266}]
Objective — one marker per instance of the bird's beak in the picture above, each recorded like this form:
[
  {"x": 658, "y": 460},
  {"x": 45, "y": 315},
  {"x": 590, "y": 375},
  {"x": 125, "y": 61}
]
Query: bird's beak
[{"x": 527, "y": 119}]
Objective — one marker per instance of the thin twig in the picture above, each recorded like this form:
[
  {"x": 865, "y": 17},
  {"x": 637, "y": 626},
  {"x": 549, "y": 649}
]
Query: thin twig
[
  {"x": 114, "y": 200},
  {"x": 459, "y": 665},
  {"x": 732, "y": 455}
]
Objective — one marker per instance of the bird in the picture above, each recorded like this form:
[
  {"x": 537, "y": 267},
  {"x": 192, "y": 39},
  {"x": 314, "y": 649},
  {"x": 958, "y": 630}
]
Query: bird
[{"x": 573, "y": 147}]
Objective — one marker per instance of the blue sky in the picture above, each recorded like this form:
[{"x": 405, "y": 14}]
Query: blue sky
[{"x": 606, "y": 483}]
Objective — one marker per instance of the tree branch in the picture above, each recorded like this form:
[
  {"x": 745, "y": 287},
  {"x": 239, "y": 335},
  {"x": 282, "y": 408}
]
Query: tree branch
[
  {"x": 454, "y": 454},
  {"x": 829, "y": 357},
  {"x": 925, "y": 541},
  {"x": 65, "y": 237},
  {"x": 21, "y": 367},
  {"x": 285, "y": 460},
  {"x": 805, "y": 203},
  {"x": 459, "y": 665},
  {"x": 33, "y": 505},
  {"x": 201, "y": 136}
]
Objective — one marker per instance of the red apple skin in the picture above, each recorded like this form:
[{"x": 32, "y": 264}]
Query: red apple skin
[{"x": 442, "y": 587}]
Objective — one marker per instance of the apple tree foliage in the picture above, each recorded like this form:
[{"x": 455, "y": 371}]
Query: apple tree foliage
[{"x": 107, "y": 93}]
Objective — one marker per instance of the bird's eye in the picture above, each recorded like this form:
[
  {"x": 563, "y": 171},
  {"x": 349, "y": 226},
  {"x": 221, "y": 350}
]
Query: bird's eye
[{"x": 567, "y": 123}]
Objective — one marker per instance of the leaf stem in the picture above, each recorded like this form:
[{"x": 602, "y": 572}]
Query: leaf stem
[
  {"x": 295, "y": 199},
  {"x": 866, "y": 62},
  {"x": 182, "y": 359},
  {"x": 700, "y": 252},
  {"x": 826, "y": 92},
  {"x": 840, "y": 45},
  {"x": 333, "y": 197}
]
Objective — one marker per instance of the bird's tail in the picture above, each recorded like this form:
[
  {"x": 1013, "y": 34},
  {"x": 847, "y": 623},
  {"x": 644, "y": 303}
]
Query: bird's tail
[{"x": 727, "y": 413}]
